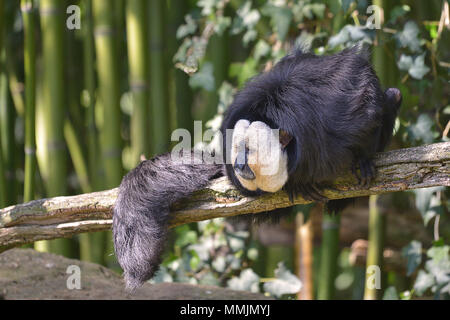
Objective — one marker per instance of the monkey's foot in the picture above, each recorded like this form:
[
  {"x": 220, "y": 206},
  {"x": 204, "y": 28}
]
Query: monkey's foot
[
  {"x": 312, "y": 192},
  {"x": 367, "y": 170}
]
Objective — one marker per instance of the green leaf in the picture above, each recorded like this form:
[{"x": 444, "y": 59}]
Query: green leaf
[
  {"x": 349, "y": 35},
  {"x": 204, "y": 78},
  {"x": 418, "y": 69},
  {"x": 208, "y": 6},
  {"x": 226, "y": 95},
  {"x": 248, "y": 280},
  {"x": 399, "y": 11},
  {"x": 188, "y": 237},
  {"x": 425, "y": 203},
  {"x": 422, "y": 130},
  {"x": 391, "y": 294},
  {"x": 424, "y": 281},
  {"x": 195, "y": 261},
  {"x": 413, "y": 254},
  {"x": 280, "y": 19},
  {"x": 222, "y": 24},
  {"x": 244, "y": 71},
  {"x": 261, "y": 50},
  {"x": 439, "y": 253},
  {"x": 408, "y": 37},
  {"x": 405, "y": 62},
  {"x": 285, "y": 282},
  {"x": 185, "y": 29}
]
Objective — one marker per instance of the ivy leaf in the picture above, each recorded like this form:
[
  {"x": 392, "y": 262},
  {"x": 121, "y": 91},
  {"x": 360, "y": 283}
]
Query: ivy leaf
[
  {"x": 246, "y": 18},
  {"x": 185, "y": 29},
  {"x": 248, "y": 280},
  {"x": 262, "y": 49},
  {"x": 314, "y": 9},
  {"x": 185, "y": 238},
  {"x": 399, "y": 11},
  {"x": 413, "y": 254},
  {"x": 424, "y": 281},
  {"x": 207, "y": 6},
  {"x": 422, "y": 130},
  {"x": 244, "y": 71},
  {"x": 162, "y": 275},
  {"x": 405, "y": 62},
  {"x": 426, "y": 203},
  {"x": 391, "y": 294},
  {"x": 221, "y": 25},
  {"x": 204, "y": 78},
  {"x": 280, "y": 19},
  {"x": 418, "y": 69},
  {"x": 285, "y": 282},
  {"x": 408, "y": 37},
  {"x": 226, "y": 94},
  {"x": 348, "y": 35}
]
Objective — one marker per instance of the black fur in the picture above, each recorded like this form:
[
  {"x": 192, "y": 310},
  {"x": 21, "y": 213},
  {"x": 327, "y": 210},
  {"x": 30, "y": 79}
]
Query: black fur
[
  {"x": 332, "y": 106},
  {"x": 141, "y": 211}
]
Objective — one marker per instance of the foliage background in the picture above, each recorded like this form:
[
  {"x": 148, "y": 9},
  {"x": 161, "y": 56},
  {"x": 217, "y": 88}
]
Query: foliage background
[{"x": 113, "y": 90}]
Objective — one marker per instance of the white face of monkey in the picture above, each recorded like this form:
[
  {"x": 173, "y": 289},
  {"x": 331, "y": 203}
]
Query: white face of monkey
[{"x": 258, "y": 156}]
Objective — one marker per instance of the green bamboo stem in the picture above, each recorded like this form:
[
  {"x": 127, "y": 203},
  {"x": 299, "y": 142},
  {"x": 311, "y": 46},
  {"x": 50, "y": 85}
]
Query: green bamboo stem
[
  {"x": 376, "y": 246},
  {"x": 2, "y": 19},
  {"x": 92, "y": 245},
  {"x": 76, "y": 153},
  {"x": 136, "y": 19},
  {"x": 7, "y": 111},
  {"x": 7, "y": 128},
  {"x": 89, "y": 83},
  {"x": 329, "y": 256},
  {"x": 30, "y": 98},
  {"x": 2, "y": 168},
  {"x": 109, "y": 92},
  {"x": 180, "y": 91},
  {"x": 158, "y": 79},
  {"x": 106, "y": 46},
  {"x": 54, "y": 92}
]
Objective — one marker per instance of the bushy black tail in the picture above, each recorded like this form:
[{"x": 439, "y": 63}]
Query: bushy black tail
[{"x": 141, "y": 211}]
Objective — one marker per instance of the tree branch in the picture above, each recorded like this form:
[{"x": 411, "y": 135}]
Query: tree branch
[{"x": 398, "y": 170}]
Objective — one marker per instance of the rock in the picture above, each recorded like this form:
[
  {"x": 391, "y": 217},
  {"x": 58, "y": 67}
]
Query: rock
[{"x": 28, "y": 274}]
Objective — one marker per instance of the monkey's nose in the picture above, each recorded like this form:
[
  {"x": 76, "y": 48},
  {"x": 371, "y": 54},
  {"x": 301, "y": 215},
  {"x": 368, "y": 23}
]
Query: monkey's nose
[{"x": 244, "y": 171}]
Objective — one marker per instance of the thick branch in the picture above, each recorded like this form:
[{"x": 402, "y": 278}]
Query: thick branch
[{"x": 398, "y": 170}]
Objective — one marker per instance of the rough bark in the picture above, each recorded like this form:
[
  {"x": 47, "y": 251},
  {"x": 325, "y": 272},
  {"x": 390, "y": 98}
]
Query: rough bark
[{"x": 398, "y": 170}]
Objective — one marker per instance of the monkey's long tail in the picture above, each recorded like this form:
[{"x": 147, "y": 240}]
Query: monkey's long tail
[{"x": 141, "y": 211}]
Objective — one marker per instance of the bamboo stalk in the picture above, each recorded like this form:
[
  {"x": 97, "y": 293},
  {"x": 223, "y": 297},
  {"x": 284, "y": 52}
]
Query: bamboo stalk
[
  {"x": 180, "y": 91},
  {"x": 76, "y": 153},
  {"x": 7, "y": 128},
  {"x": 7, "y": 111},
  {"x": 304, "y": 247},
  {"x": 375, "y": 246},
  {"x": 328, "y": 256},
  {"x": 106, "y": 46},
  {"x": 136, "y": 19},
  {"x": 158, "y": 79},
  {"x": 92, "y": 245},
  {"x": 89, "y": 83},
  {"x": 109, "y": 93},
  {"x": 2, "y": 168},
  {"x": 29, "y": 23},
  {"x": 54, "y": 93}
]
